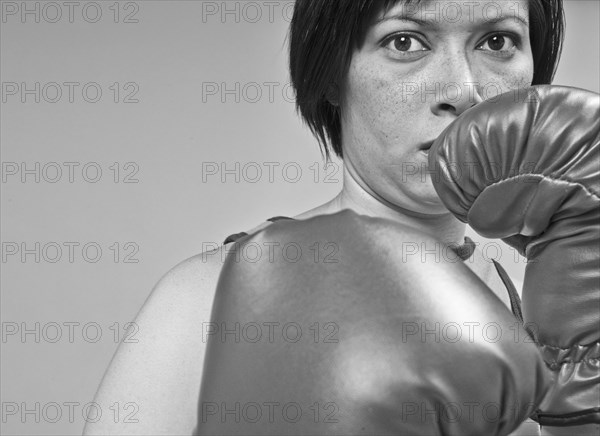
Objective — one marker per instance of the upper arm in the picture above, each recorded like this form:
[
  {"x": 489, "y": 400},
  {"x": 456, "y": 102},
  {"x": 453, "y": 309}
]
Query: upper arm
[{"x": 158, "y": 377}]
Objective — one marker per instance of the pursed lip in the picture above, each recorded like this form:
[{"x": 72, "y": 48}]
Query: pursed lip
[{"x": 425, "y": 146}]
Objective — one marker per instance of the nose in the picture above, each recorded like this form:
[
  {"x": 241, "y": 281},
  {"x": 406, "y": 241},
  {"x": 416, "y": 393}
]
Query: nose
[{"x": 459, "y": 90}]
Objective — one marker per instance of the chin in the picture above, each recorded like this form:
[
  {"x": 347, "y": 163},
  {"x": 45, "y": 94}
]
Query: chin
[
  {"x": 433, "y": 207},
  {"x": 428, "y": 199},
  {"x": 420, "y": 198}
]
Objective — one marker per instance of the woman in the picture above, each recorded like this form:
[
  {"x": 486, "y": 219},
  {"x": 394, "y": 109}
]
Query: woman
[{"x": 372, "y": 81}]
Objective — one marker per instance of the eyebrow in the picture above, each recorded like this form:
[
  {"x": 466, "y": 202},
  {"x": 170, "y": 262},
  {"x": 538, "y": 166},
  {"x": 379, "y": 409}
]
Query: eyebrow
[
  {"x": 520, "y": 20},
  {"x": 403, "y": 17},
  {"x": 432, "y": 23}
]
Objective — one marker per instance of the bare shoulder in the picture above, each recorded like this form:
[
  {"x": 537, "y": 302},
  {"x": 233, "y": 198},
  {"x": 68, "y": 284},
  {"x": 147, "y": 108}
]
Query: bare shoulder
[
  {"x": 158, "y": 374},
  {"x": 156, "y": 377},
  {"x": 194, "y": 279}
]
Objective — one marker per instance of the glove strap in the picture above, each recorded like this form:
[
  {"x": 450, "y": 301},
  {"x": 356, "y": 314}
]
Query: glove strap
[
  {"x": 577, "y": 375},
  {"x": 515, "y": 300}
]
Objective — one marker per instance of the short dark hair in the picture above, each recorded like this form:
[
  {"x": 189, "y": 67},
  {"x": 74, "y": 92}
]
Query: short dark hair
[{"x": 324, "y": 33}]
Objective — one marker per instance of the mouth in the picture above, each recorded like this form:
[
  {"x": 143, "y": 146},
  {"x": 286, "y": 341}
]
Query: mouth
[{"x": 425, "y": 146}]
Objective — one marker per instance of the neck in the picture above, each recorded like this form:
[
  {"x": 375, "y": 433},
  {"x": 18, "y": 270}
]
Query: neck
[{"x": 444, "y": 227}]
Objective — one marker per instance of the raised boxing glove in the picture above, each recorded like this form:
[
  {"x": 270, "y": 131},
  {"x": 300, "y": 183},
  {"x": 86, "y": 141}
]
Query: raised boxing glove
[
  {"x": 355, "y": 325},
  {"x": 525, "y": 167}
]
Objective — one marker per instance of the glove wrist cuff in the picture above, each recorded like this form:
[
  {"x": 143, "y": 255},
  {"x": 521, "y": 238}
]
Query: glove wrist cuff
[{"x": 588, "y": 416}]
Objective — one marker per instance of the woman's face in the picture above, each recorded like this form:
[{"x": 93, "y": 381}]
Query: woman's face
[{"x": 420, "y": 66}]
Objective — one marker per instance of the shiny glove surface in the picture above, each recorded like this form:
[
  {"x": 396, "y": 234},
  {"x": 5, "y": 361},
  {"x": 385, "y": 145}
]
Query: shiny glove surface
[
  {"x": 527, "y": 169},
  {"x": 353, "y": 325}
]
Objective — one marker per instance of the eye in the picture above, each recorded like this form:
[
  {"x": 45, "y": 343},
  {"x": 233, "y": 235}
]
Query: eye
[
  {"x": 404, "y": 44},
  {"x": 499, "y": 44}
]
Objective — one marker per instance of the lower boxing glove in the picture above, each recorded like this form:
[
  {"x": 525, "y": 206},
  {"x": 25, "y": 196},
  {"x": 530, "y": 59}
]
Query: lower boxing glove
[
  {"x": 525, "y": 167},
  {"x": 346, "y": 324}
]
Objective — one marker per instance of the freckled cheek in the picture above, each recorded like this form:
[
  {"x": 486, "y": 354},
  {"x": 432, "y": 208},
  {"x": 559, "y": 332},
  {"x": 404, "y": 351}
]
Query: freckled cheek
[
  {"x": 509, "y": 79},
  {"x": 386, "y": 102},
  {"x": 379, "y": 102}
]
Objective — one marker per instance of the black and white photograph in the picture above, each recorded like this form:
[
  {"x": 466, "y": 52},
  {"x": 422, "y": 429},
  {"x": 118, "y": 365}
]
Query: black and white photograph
[{"x": 300, "y": 217}]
